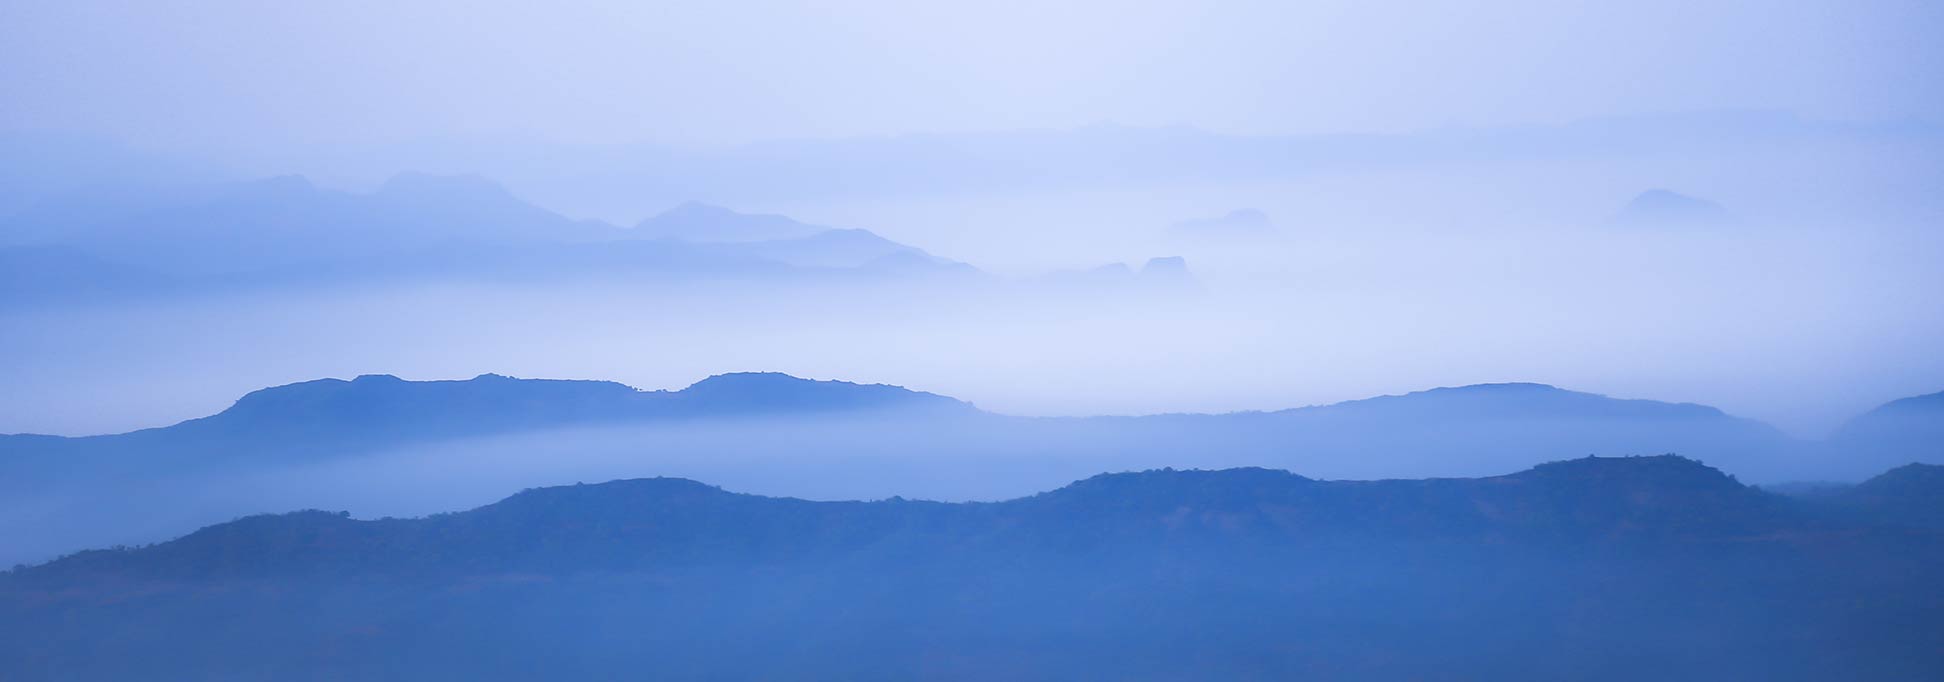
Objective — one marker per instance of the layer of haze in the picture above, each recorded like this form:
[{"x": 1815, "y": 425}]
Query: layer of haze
[{"x": 1814, "y": 303}]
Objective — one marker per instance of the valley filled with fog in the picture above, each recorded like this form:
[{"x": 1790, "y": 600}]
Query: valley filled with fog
[{"x": 1404, "y": 265}]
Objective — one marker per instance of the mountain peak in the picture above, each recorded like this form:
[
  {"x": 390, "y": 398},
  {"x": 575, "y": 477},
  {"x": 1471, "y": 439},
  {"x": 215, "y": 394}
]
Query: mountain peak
[
  {"x": 762, "y": 391},
  {"x": 1667, "y": 207},
  {"x": 1505, "y": 387},
  {"x": 1524, "y": 400},
  {"x": 622, "y": 495},
  {"x": 1913, "y": 476},
  {"x": 696, "y": 209},
  {"x": 1165, "y": 266},
  {"x": 1167, "y": 272},
  {"x": 1666, "y": 470},
  {"x": 749, "y": 380}
]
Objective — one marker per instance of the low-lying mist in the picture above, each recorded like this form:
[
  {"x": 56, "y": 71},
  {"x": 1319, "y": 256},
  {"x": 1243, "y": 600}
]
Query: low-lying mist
[{"x": 1802, "y": 327}]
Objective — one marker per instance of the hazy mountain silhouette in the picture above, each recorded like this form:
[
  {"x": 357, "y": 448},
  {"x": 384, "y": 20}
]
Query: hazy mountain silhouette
[
  {"x": 781, "y": 239},
  {"x": 285, "y": 231},
  {"x": 1164, "y": 273},
  {"x": 782, "y": 435},
  {"x": 66, "y": 491},
  {"x": 1446, "y": 431},
  {"x": 335, "y": 416},
  {"x": 1659, "y": 207},
  {"x": 1237, "y": 223},
  {"x": 1169, "y": 271},
  {"x": 1898, "y": 432},
  {"x": 1523, "y": 399},
  {"x": 1468, "y": 430},
  {"x": 695, "y": 221},
  {"x": 909, "y": 261},
  {"x": 1594, "y": 568}
]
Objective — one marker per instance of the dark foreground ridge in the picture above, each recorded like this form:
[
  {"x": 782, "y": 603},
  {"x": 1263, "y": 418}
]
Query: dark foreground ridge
[{"x": 1592, "y": 568}]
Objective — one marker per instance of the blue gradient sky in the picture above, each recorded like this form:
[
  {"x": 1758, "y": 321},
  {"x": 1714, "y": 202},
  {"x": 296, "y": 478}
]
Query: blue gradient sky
[{"x": 219, "y": 73}]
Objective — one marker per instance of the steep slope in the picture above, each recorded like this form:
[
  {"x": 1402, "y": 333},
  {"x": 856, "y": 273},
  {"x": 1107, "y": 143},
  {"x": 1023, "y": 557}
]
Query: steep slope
[
  {"x": 784, "y": 240},
  {"x": 1898, "y": 432},
  {"x": 1912, "y": 494}
]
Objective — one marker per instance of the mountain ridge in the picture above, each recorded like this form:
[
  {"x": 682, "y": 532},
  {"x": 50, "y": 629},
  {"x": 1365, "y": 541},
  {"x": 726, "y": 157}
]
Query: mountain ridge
[
  {"x": 1608, "y": 497},
  {"x": 777, "y": 434},
  {"x": 1489, "y": 578},
  {"x": 289, "y": 400},
  {"x": 612, "y": 388},
  {"x": 286, "y": 231},
  {"x": 1899, "y": 431}
]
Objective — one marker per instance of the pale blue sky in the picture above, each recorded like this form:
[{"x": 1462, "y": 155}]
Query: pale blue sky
[{"x": 196, "y": 74}]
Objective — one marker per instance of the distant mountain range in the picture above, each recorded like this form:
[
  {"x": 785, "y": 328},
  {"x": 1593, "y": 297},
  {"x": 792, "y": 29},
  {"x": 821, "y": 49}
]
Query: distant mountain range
[
  {"x": 1471, "y": 428},
  {"x": 1162, "y": 274},
  {"x": 633, "y": 179},
  {"x": 782, "y": 435},
  {"x": 285, "y": 232},
  {"x": 335, "y": 417},
  {"x": 1590, "y": 568}
]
